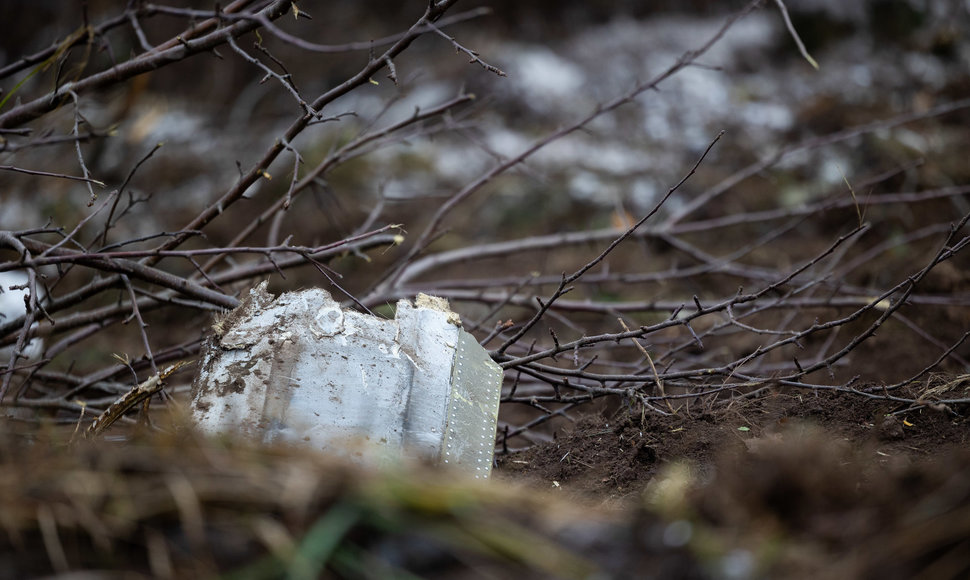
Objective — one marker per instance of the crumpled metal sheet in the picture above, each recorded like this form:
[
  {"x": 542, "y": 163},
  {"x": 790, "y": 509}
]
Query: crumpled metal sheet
[{"x": 300, "y": 368}]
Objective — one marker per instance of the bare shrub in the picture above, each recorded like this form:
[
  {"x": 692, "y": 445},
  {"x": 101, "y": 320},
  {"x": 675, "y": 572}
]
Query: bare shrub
[{"x": 726, "y": 293}]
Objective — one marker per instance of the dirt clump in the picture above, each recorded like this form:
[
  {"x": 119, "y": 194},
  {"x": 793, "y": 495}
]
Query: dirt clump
[
  {"x": 788, "y": 485},
  {"x": 615, "y": 455},
  {"x": 805, "y": 505}
]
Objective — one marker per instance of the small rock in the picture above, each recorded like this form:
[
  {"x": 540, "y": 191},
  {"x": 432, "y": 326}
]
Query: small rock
[{"x": 890, "y": 429}]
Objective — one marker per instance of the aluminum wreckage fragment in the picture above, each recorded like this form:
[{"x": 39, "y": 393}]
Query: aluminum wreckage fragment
[{"x": 299, "y": 368}]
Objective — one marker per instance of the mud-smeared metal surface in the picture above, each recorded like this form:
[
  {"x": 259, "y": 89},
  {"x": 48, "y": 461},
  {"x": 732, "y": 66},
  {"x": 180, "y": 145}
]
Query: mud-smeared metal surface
[{"x": 301, "y": 368}]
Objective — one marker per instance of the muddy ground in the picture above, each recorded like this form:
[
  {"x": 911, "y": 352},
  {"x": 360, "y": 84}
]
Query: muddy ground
[
  {"x": 785, "y": 485},
  {"x": 613, "y": 455}
]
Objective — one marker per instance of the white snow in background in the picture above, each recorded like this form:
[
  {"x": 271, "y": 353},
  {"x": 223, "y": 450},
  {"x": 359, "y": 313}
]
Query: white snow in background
[
  {"x": 543, "y": 76},
  {"x": 586, "y": 186},
  {"x": 861, "y": 75},
  {"x": 506, "y": 141},
  {"x": 768, "y": 115},
  {"x": 634, "y": 153},
  {"x": 834, "y": 171},
  {"x": 587, "y": 153}
]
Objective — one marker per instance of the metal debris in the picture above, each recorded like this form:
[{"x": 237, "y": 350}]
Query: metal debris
[{"x": 299, "y": 368}]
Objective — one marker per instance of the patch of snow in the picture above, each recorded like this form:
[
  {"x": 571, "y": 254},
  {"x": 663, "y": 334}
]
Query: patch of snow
[
  {"x": 772, "y": 116},
  {"x": 542, "y": 74}
]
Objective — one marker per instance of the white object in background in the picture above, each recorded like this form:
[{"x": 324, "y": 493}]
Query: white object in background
[
  {"x": 12, "y": 307},
  {"x": 300, "y": 368}
]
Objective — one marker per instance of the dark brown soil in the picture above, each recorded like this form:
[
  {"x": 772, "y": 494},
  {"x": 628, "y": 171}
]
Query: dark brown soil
[
  {"x": 790, "y": 485},
  {"x": 615, "y": 455}
]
